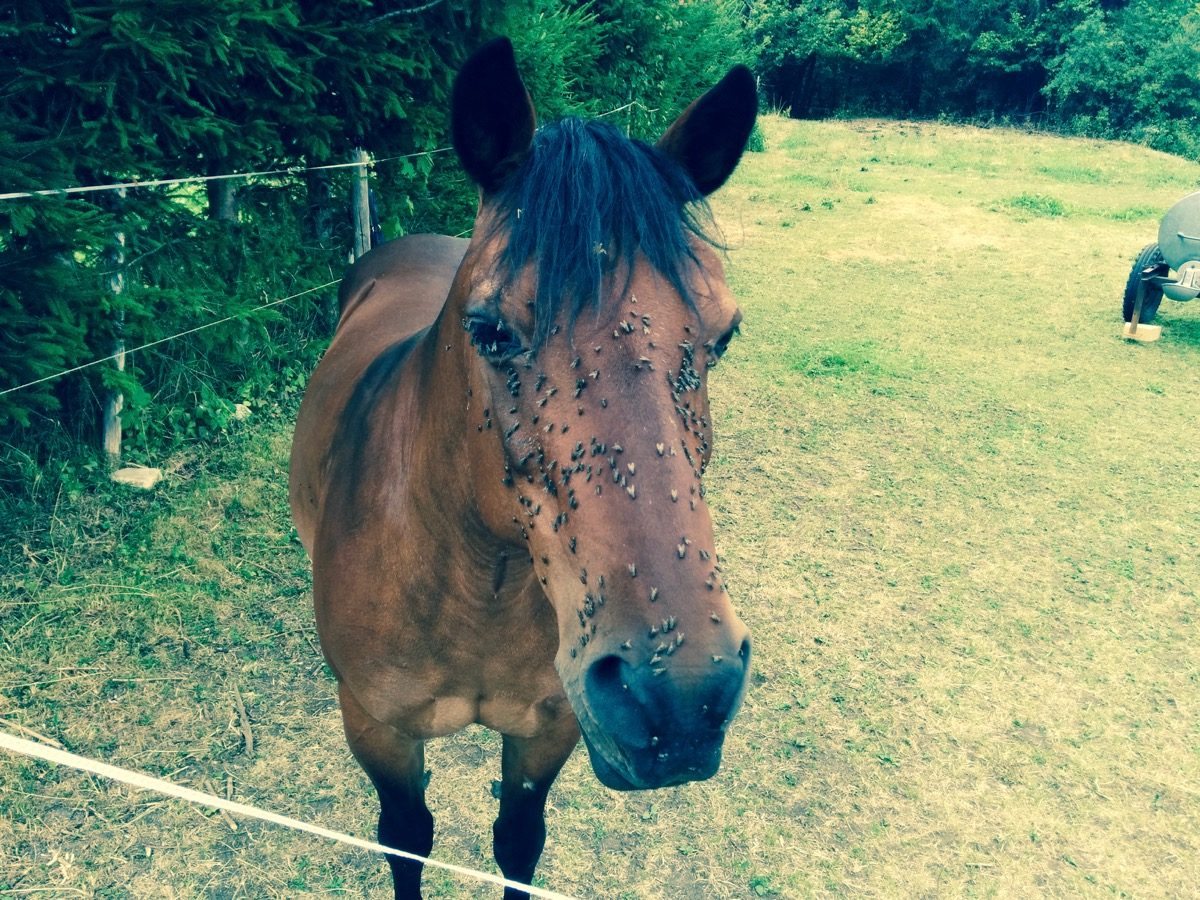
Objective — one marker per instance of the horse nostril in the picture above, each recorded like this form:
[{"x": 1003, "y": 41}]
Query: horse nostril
[
  {"x": 744, "y": 653},
  {"x": 610, "y": 699},
  {"x": 607, "y": 679}
]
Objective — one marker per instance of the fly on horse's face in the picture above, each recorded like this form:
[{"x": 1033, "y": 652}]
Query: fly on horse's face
[{"x": 596, "y": 308}]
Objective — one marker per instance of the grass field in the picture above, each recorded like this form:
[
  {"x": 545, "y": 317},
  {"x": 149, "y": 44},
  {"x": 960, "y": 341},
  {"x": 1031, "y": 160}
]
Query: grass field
[{"x": 960, "y": 515}]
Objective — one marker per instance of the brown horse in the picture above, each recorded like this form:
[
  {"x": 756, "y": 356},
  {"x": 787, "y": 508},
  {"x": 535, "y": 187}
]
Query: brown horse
[{"x": 496, "y": 468}]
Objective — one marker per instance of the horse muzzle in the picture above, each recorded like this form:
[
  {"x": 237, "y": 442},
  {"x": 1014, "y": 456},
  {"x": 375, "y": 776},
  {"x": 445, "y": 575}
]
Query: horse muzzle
[
  {"x": 649, "y": 768},
  {"x": 652, "y": 725}
]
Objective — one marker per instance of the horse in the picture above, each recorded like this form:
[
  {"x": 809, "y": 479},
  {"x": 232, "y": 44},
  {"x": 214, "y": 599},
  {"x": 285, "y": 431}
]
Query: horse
[{"x": 496, "y": 468}]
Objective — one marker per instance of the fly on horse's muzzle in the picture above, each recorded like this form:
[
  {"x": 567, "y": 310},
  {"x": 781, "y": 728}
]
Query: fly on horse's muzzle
[{"x": 650, "y": 725}]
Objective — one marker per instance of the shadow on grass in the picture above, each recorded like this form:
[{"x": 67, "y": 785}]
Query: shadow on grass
[{"x": 1183, "y": 332}]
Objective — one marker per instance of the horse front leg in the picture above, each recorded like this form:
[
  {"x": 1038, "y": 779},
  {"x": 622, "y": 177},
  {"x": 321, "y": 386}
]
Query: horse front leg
[
  {"x": 528, "y": 768},
  {"x": 396, "y": 766}
]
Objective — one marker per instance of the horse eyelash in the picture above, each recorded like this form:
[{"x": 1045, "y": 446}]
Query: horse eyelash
[
  {"x": 493, "y": 338},
  {"x": 718, "y": 347}
]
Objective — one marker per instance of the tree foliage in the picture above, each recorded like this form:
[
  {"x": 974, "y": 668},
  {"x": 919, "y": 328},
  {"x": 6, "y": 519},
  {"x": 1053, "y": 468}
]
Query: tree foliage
[
  {"x": 1113, "y": 68},
  {"x": 127, "y": 90},
  {"x": 1133, "y": 72}
]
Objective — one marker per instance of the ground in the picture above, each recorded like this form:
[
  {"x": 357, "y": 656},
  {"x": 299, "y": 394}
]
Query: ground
[{"x": 958, "y": 512}]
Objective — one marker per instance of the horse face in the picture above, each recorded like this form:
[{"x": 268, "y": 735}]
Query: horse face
[
  {"x": 603, "y": 417},
  {"x": 652, "y": 655}
]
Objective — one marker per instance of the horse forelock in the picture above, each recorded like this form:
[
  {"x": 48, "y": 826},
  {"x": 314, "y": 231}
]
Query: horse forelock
[{"x": 582, "y": 207}]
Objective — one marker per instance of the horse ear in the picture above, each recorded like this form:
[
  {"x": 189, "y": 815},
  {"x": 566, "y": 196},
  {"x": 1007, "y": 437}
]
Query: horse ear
[
  {"x": 709, "y": 136},
  {"x": 492, "y": 117}
]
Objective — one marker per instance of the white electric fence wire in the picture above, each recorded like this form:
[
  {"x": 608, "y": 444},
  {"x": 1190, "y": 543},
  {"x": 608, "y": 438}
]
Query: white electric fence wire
[
  {"x": 195, "y": 179},
  {"x": 146, "y": 783},
  {"x": 290, "y": 170},
  {"x": 628, "y": 105},
  {"x": 241, "y": 315}
]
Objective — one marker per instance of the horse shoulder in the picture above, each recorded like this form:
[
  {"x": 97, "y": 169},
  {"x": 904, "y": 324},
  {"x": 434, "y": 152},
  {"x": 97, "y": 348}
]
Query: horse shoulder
[
  {"x": 388, "y": 298},
  {"x": 409, "y": 276}
]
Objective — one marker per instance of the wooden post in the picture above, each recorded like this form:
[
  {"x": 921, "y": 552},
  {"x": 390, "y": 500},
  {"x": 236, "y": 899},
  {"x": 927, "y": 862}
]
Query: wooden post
[
  {"x": 1138, "y": 299},
  {"x": 1133, "y": 328},
  {"x": 115, "y": 401},
  {"x": 360, "y": 204},
  {"x": 222, "y": 200}
]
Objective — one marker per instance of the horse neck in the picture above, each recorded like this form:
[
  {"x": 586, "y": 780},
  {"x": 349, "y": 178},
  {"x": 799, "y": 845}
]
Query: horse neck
[{"x": 456, "y": 464}]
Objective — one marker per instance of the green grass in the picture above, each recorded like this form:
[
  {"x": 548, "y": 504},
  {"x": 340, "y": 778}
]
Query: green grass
[
  {"x": 1036, "y": 205},
  {"x": 958, "y": 512}
]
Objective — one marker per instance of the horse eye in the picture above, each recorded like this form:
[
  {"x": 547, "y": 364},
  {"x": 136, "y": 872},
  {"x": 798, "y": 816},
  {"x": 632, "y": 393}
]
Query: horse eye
[
  {"x": 717, "y": 348},
  {"x": 494, "y": 340}
]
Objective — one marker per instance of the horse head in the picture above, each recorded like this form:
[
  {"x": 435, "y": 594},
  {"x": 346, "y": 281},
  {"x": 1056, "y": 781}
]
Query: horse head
[{"x": 596, "y": 304}]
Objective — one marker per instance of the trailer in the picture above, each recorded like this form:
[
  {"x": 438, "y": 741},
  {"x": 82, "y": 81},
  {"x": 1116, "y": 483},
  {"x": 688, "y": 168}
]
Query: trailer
[{"x": 1169, "y": 267}]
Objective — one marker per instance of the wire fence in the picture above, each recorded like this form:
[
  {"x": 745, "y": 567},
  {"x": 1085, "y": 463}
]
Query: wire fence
[
  {"x": 35, "y": 750},
  {"x": 284, "y": 170},
  {"x": 199, "y": 179},
  {"x": 146, "y": 346},
  {"x": 123, "y": 186}
]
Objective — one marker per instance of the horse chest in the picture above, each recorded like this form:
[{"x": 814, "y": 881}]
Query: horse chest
[
  {"x": 460, "y": 673},
  {"x": 514, "y": 693},
  {"x": 425, "y": 708}
]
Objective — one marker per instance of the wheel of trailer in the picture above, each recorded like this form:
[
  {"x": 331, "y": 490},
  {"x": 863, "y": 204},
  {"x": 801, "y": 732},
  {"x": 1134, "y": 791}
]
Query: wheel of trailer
[{"x": 1150, "y": 256}]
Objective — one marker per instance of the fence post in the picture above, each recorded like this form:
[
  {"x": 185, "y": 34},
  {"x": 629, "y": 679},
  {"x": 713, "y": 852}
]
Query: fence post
[
  {"x": 222, "y": 200},
  {"x": 360, "y": 203},
  {"x": 115, "y": 401}
]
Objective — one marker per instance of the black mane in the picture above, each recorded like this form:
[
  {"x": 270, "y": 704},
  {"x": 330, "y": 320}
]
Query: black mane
[{"x": 583, "y": 204}]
